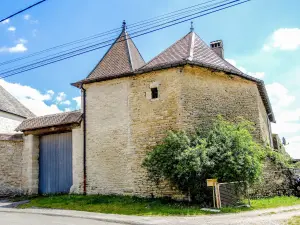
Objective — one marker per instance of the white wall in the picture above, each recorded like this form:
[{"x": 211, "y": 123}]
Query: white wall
[{"x": 9, "y": 122}]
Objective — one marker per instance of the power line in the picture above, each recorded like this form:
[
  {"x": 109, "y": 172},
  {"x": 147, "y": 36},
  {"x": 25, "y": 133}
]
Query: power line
[
  {"x": 86, "y": 50},
  {"x": 117, "y": 30},
  {"x": 112, "y": 38},
  {"x": 29, "y": 7}
]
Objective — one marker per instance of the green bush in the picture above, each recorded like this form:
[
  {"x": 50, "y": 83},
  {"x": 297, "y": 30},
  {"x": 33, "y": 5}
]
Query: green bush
[{"x": 228, "y": 152}]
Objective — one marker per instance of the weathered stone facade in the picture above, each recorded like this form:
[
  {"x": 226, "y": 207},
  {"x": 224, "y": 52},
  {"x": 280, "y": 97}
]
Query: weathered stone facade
[
  {"x": 206, "y": 94},
  {"x": 77, "y": 160},
  {"x": 10, "y": 166},
  {"x": 123, "y": 122},
  {"x": 30, "y": 164}
]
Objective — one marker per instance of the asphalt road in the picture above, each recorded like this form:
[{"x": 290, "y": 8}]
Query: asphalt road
[{"x": 7, "y": 218}]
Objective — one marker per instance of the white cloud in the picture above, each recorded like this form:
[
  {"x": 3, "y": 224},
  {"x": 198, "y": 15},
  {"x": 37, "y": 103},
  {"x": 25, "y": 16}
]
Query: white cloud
[
  {"x": 15, "y": 49},
  {"x": 5, "y": 21},
  {"x": 285, "y": 39},
  {"x": 287, "y": 116},
  {"x": 61, "y": 96},
  {"x": 27, "y": 17},
  {"x": 68, "y": 109},
  {"x": 11, "y": 29},
  {"x": 18, "y": 48},
  {"x": 31, "y": 98},
  {"x": 78, "y": 102},
  {"x": 279, "y": 95},
  {"x": 66, "y": 102},
  {"x": 50, "y": 92},
  {"x": 293, "y": 146},
  {"x": 258, "y": 75}
]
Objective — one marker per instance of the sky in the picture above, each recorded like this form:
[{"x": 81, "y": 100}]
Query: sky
[{"x": 261, "y": 38}]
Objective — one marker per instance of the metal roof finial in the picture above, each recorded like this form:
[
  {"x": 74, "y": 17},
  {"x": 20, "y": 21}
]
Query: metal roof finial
[
  {"x": 192, "y": 26},
  {"x": 124, "y": 25}
]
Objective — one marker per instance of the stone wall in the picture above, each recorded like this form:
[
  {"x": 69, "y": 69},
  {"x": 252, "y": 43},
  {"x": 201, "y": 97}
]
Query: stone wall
[
  {"x": 11, "y": 147},
  {"x": 150, "y": 121},
  {"x": 274, "y": 181},
  {"x": 124, "y": 123},
  {"x": 108, "y": 133},
  {"x": 30, "y": 164},
  {"x": 77, "y": 160},
  {"x": 206, "y": 94}
]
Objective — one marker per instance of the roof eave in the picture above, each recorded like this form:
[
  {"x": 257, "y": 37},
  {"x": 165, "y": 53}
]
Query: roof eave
[{"x": 260, "y": 83}]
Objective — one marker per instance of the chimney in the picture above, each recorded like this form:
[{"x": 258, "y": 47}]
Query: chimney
[{"x": 217, "y": 47}]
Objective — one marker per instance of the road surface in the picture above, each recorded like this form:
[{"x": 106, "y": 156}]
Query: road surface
[
  {"x": 7, "y": 218},
  {"x": 275, "y": 216}
]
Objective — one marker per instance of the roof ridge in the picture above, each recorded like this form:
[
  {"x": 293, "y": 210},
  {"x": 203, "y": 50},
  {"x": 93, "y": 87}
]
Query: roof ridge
[
  {"x": 128, "y": 49},
  {"x": 191, "y": 46},
  {"x": 55, "y": 114},
  {"x": 165, "y": 50}
]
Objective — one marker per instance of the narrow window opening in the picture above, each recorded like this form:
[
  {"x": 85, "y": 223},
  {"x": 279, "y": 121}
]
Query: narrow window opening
[{"x": 154, "y": 93}]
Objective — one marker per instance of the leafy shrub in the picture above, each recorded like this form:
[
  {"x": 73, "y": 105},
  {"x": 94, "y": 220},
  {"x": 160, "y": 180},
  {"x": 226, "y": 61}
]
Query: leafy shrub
[{"x": 228, "y": 152}]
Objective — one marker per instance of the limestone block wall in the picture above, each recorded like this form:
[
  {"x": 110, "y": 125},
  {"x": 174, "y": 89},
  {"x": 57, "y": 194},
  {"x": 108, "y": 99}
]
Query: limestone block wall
[
  {"x": 206, "y": 94},
  {"x": 11, "y": 147},
  {"x": 265, "y": 127},
  {"x": 150, "y": 121},
  {"x": 124, "y": 122},
  {"x": 108, "y": 138},
  {"x": 275, "y": 181},
  {"x": 77, "y": 160},
  {"x": 30, "y": 164}
]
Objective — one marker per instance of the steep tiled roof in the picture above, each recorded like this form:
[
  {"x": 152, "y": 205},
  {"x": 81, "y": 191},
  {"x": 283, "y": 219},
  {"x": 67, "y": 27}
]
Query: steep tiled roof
[
  {"x": 122, "y": 57},
  {"x": 10, "y": 104},
  {"x": 50, "y": 120},
  {"x": 193, "y": 49},
  {"x": 190, "y": 49}
]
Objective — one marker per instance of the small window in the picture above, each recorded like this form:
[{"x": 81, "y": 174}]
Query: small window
[{"x": 154, "y": 93}]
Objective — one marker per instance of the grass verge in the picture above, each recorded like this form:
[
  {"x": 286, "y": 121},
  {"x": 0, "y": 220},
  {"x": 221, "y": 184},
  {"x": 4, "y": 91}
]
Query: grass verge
[
  {"x": 141, "y": 206},
  {"x": 294, "y": 221}
]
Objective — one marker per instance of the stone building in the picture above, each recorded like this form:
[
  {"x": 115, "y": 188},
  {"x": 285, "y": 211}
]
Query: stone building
[
  {"x": 12, "y": 113},
  {"x": 128, "y": 105}
]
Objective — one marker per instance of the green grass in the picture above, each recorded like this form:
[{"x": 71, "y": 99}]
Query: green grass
[
  {"x": 294, "y": 221},
  {"x": 141, "y": 206}
]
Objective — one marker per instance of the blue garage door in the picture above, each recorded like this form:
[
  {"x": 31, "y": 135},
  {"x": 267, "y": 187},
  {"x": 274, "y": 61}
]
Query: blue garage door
[{"x": 55, "y": 160}]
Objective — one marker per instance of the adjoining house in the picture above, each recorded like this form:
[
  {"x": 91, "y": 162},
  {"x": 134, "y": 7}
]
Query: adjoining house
[
  {"x": 12, "y": 113},
  {"x": 127, "y": 107}
]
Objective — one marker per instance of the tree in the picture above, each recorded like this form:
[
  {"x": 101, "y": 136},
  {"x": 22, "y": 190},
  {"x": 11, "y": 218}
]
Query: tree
[
  {"x": 232, "y": 153},
  {"x": 227, "y": 152}
]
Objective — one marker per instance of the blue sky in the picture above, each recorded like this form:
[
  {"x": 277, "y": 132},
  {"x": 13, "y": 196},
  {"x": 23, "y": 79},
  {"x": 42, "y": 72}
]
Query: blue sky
[{"x": 261, "y": 37}]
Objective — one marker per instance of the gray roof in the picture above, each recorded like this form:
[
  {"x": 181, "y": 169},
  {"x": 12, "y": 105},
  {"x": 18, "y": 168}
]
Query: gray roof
[
  {"x": 52, "y": 120},
  {"x": 10, "y": 104}
]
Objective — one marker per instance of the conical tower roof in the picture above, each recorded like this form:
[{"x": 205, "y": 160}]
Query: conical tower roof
[
  {"x": 193, "y": 49},
  {"x": 122, "y": 57}
]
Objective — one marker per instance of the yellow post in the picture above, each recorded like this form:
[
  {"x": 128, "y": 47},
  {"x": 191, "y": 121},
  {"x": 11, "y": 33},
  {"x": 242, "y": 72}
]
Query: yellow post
[{"x": 212, "y": 183}]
